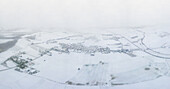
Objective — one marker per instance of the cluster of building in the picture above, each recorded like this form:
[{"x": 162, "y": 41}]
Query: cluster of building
[
  {"x": 22, "y": 64},
  {"x": 79, "y": 48}
]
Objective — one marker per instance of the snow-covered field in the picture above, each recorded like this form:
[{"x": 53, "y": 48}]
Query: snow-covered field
[
  {"x": 132, "y": 59},
  {"x": 5, "y": 41}
]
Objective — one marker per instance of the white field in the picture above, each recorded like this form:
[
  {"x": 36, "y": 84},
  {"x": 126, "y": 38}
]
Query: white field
[{"x": 139, "y": 61}]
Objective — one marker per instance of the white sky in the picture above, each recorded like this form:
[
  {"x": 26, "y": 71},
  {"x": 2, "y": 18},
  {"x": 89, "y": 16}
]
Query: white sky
[{"x": 83, "y": 13}]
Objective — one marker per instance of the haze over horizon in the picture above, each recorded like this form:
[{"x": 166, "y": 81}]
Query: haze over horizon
[{"x": 75, "y": 14}]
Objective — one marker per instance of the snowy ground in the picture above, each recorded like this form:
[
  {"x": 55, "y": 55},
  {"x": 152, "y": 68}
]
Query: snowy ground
[{"x": 133, "y": 59}]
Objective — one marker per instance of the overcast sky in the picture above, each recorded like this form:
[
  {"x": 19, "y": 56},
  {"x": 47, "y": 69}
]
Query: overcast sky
[{"x": 83, "y": 13}]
